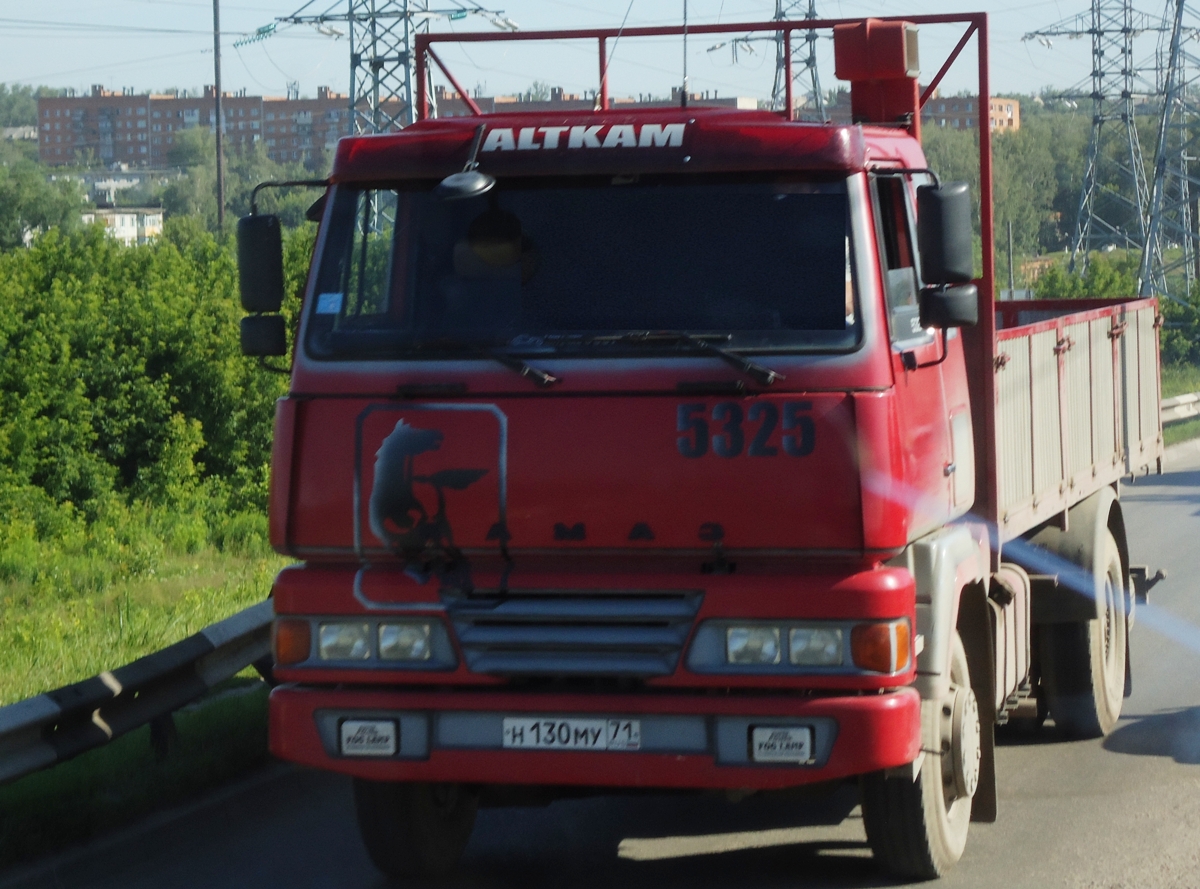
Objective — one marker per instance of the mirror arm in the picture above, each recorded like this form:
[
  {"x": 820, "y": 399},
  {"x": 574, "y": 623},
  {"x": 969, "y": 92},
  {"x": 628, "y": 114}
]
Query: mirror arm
[
  {"x": 266, "y": 365},
  {"x": 291, "y": 183},
  {"x": 909, "y": 358},
  {"x": 911, "y": 171}
]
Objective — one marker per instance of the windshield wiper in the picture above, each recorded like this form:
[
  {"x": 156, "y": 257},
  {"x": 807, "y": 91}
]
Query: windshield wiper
[
  {"x": 700, "y": 341},
  {"x": 512, "y": 362}
]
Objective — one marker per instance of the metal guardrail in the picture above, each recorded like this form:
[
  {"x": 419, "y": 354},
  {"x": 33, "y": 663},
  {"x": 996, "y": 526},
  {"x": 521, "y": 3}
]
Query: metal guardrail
[
  {"x": 1181, "y": 407},
  {"x": 58, "y": 725}
]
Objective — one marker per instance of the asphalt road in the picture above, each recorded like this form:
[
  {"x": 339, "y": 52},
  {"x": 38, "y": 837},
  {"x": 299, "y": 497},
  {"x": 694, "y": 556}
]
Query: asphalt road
[{"x": 1123, "y": 812}]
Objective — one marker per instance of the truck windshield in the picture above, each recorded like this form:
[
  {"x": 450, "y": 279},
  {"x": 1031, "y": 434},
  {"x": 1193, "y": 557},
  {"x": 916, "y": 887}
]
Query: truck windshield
[{"x": 550, "y": 266}]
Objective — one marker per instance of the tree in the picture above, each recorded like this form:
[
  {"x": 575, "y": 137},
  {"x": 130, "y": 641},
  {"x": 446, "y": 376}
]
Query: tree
[
  {"x": 18, "y": 104},
  {"x": 30, "y": 203},
  {"x": 539, "y": 91},
  {"x": 195, "y": 193}
]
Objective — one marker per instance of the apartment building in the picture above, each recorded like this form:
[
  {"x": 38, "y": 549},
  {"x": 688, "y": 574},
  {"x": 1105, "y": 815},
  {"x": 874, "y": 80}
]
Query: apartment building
[
  {"x": 140, "y": 130},
  {"x": 965, "y": 112}
]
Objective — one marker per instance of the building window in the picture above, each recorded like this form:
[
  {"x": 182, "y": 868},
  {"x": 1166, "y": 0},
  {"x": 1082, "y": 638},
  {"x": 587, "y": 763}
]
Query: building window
[
  {"x": 969, "y": 104},
  {"x": 141, "y": 111},
  {"x": 157, "y": 114},
  {"x": 970, "y": 123}
]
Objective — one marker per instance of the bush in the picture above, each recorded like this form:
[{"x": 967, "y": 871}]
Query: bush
[{"x": 130, "y": 424}]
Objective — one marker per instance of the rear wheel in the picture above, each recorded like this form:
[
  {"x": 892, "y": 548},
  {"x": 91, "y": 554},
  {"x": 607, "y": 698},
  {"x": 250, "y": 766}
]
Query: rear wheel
[
  {"x": 1083, "y": 664},
  {"x": 918, "y": 829},
  {"x": 414, "y": 830}
]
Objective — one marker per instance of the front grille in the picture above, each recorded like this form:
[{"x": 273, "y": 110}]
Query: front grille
[{"x": 566, "y": 634}]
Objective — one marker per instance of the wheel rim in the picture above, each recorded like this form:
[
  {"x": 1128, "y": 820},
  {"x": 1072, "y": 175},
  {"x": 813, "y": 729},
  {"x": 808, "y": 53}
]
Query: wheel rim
[
  {"x": 1112, "y": 639},
  {"x": 961, "y": 745}
]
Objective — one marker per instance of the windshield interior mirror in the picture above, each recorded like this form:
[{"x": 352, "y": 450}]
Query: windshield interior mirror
[
  {"x": 263, "y": 335},
  {"x": 944, "y": 233},
  {"x": 260, "y": 263},
  {"x": 950, "y": 307}
]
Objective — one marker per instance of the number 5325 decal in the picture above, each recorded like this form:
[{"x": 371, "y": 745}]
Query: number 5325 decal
[{"x": 729, "y": 428}]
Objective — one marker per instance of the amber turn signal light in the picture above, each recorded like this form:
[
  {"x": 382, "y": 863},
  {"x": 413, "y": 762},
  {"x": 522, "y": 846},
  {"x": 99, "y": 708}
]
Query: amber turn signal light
[
  {"x": 291, "y": 640},
  {"x": 882, "y": 647}
]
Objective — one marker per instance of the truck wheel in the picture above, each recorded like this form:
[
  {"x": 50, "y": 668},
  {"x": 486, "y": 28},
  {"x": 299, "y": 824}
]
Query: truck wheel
[
  {"x": 1083, "y": 664},
  {"x": 918, "y": 829},
  {"x": 414, "y": 830}
]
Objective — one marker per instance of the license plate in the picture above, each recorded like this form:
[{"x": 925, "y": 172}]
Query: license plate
[
  {"x": 771, "y": 744},
  {"x": 572, "y": 734},
  {"x": 370, "y": 737}
]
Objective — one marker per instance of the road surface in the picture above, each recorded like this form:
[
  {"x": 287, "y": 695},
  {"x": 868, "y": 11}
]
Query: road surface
[{"x": 1123, "y": 812}]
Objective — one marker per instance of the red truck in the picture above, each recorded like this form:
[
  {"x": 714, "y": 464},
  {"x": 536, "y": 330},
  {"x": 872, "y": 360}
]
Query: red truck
[{"x": 683, "y": 448}]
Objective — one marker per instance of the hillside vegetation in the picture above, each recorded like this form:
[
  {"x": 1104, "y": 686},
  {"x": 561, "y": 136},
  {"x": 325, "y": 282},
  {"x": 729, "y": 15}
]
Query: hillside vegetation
[{"x": 134, "y": 448}]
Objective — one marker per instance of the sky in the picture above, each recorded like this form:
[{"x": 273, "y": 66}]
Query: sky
[{"x": 151, "y": 45}]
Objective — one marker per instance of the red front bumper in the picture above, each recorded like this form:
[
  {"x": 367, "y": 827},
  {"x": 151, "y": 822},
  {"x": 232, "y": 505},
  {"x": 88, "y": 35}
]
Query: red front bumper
[{"x": 699, "y": 741}]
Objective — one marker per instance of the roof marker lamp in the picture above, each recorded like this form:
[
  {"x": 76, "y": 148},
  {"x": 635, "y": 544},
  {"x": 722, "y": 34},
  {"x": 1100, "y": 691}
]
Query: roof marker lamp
[
  {"x": 470, "y": 183},
  {"x": 752, "y": 645}
]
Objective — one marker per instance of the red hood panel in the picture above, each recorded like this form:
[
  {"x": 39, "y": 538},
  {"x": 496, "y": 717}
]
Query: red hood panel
[{"x": 774, "y": 473}]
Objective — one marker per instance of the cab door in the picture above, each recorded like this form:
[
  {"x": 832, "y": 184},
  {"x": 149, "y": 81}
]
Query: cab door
[{"x": 916, "y": 354}]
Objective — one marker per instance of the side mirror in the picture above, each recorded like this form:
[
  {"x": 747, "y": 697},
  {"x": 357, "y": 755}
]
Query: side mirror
[
  {"x": 949, "y": 307},
  {"x": 944, "y": 233},
  {"x": 260, "y": 263},
  {"x": 264, "y": 335}
]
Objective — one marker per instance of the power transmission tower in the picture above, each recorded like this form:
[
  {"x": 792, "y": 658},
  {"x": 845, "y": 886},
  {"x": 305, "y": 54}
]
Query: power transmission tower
[
  {"x": 1115, "y": 198},
  {"x": 1170, "y": 259},
  {"x": 382, "y": 61},
  {"x": 805, "y": 55}
]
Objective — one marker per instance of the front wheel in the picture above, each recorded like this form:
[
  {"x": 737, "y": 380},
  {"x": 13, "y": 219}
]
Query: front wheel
[
  {"x": 414, "y": 830},
  {"x": 918, "y": 829}
]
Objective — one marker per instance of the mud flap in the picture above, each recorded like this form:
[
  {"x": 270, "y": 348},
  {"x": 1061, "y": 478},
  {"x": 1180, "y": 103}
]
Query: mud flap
[{"x": 975, "y": 629}]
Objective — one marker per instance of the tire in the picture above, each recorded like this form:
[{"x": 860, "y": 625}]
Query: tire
[
  {"x": 918, "y": 829},
  {"x": 1083, "y": 664},
  {"x": 414, "y": 830}
]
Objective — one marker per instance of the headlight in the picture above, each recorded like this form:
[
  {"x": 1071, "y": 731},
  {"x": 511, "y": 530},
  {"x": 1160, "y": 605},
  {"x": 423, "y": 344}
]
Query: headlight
[
  {"x": 344, "y": 641},
  {"x": 815, "y": 646},
  {"x": 752, "y": 645},
  {"x": 407, "y": 641}
]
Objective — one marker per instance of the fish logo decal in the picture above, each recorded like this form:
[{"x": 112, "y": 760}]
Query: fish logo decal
[{"x": 408, "y": 510}]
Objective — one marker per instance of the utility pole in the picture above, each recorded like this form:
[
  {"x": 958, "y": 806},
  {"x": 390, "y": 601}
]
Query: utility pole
[
  {"x": 1114, "y": 202},
  {"x": 1172, "y": 251},
  {"x": 220, "y": 115},
  {"x": 1011, "y": 285},
  {"x": 383, "y": 91},
  {"x": 786, "y": 10}
]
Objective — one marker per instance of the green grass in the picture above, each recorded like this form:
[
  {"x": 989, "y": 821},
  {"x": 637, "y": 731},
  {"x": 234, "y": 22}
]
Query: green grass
[
  {"x": 1179, "y": 379},
  {"x": 1184, "y": 431},
  {"x": 217, "y": 738},
  {"x": 50, "y": 639}
]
